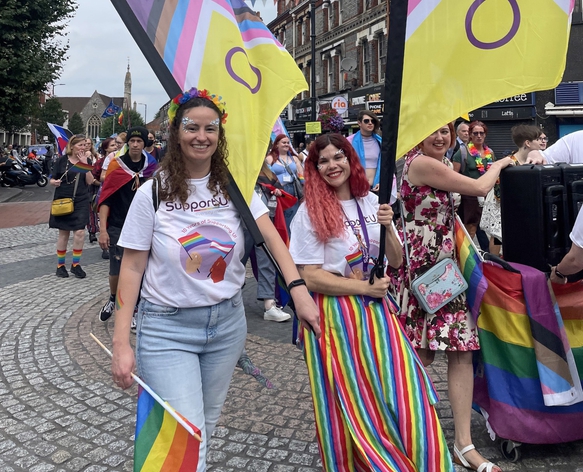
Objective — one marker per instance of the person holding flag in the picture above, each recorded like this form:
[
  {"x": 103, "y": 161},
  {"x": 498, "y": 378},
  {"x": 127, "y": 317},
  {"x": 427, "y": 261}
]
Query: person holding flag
[
  {"x": 183, "y": 241},
  {"x": 428, "y": 181}
]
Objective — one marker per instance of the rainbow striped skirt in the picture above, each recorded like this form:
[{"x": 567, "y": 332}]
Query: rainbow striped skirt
[{"x": 373, "y": 400}]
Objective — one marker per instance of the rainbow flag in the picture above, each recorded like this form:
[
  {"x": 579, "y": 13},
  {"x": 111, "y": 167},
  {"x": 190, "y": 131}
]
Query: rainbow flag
[
  {"x": 354, "y": 259},
  {"x": 440, "y": 32},
  {"x": 470, "y": 264},
  {"x": 165, "y": 440},
  {"x": 190, "y": 241},
  {"x": 224, "y": 47},
  {"x": 120, "y": 118},
  {"x": 527, "y": 379},
  {"x": 81, "y": 168},
  {"x": 222, "y": 247}
]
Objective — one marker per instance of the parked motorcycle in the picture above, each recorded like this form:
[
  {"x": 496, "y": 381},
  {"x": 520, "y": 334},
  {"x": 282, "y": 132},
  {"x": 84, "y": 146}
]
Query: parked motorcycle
[{"x": 15, "y": 172}]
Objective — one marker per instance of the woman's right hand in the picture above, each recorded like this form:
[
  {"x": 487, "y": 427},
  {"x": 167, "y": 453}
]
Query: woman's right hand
[
  {"x": 504, "y": 162},
  {"x": 55, "y": 182},
  {"x": 378, "y": 289},
  {"x": 123, "y": 364}
]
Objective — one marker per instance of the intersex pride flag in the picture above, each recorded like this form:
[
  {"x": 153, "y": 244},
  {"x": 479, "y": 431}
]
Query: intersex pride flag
[
  {"x": 463, "y": 54},
  {"x": 224, "y": 47}
]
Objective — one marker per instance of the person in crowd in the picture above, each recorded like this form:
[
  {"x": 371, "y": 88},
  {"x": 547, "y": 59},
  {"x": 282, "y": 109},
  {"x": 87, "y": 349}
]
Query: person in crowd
[
  {"x": 276, "y": 200},
  {"x": 526, "y": 138},
  {"x": 93, "y": 225},
  {"x": 191, "y": 319},
  {"x": 151, "y": 147},
  {"x": 48, "y": 162},
  {"x": 568, "y": 149},
  {"x": 285, "y": 164},
  {"x": 430, "y": 186},
  {"x": 367, "y": 144},
  {"x": 473, "y": 161},
  {"x": 572, "y": 263},
  {"x": 335, "y": 246},
  {"x": 120, "y": 140},
  {"x": 543, "y": 141},
  {"x": 463, "y": 136},
  {"x": 71, "y": 184},
  {"x": 124, "y": 176}
]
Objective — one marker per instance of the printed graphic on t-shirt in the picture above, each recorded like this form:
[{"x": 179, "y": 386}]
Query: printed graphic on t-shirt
[
  {"x": 206, "y": 252},
  {"x": 356, "y": 268}
]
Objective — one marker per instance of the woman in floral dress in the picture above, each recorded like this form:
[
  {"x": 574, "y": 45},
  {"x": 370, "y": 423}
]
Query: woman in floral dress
[{"x": 428, "y": 178}]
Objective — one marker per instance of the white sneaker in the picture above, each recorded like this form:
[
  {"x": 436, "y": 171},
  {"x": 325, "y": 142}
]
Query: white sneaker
[{"x": 276, "y": 314}]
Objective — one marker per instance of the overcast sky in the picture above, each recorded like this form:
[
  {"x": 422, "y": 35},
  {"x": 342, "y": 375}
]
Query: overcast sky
[{"x": 99, "y": 48}]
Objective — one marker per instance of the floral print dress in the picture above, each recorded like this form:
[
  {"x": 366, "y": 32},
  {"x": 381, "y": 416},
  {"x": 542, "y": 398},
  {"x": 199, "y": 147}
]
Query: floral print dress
[{"x": 429, "y": 231}]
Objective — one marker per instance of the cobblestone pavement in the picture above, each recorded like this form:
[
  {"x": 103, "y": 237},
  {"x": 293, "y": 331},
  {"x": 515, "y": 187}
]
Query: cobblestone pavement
[{"x": 59, "y": 410}]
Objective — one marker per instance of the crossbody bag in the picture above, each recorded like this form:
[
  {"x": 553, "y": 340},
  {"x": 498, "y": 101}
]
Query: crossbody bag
[
  {"x": 297, "y": 184},
  {"x": 65, "y": 206}
]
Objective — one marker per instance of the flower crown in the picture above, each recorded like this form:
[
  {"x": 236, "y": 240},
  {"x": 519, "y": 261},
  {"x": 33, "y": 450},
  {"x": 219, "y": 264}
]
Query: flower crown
[{"x": 182, "y": 98}]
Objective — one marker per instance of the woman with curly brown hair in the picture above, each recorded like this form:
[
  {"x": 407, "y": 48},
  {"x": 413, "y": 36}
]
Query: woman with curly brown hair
[{"x": 186, "y": 241}]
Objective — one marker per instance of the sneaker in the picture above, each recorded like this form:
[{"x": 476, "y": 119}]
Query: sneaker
[
  {"x": 105, "y": 254},
  {"x": 134, "y": 324},
  {"x": 62, "y": 272},
  {"x": 276, "y": 314},
  {"x": 78, "y": 272},
  {"x": 107, "y": 310}
]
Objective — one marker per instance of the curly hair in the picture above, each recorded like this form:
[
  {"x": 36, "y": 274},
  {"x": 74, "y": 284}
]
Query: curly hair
[
  {"x": 175, "y": 182},
  {"x": 324, "y": 208}
]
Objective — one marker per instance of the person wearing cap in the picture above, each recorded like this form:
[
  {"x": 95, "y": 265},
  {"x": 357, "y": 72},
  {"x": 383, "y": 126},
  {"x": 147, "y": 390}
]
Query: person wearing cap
[{"x": 125, "y": 174}]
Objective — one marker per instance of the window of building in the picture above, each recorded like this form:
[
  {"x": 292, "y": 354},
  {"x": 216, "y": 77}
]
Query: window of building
[
  {"x": 331, "y": 75},
  {"x": 382, "y": 49},
  {"x": 304, "y": 35},
  {"x": 366, "y": 70},
  {"x": 93, "y": 127},
  {"x": 340, "y": 11},
  {"x": 577, "y": 16}
]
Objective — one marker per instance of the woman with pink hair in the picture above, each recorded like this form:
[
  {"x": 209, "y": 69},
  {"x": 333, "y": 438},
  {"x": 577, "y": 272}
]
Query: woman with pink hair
[{"x": 371, "y": 394}]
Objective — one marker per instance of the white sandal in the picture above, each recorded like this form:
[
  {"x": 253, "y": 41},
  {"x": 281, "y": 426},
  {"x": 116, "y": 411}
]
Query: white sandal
[{"x": 458, "y": 458}]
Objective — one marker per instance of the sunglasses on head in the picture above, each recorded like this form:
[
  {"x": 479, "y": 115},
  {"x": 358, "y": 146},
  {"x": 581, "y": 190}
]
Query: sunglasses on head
[{"x": 368, "y": 121}]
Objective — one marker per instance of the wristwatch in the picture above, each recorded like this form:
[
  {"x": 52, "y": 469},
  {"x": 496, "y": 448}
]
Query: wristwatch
[{"x": 559, "y": 275}]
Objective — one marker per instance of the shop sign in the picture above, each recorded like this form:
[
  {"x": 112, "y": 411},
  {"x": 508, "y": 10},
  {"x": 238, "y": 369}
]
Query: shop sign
[
  {"x": 303, "y": 111},
  {"x": 377, "y": 108},
  {"x": 519, "y": 100},
  {"x": 340, "y": 104},
  {"x": 313, "y": 127},
  {"x": 511, "y": 113}
]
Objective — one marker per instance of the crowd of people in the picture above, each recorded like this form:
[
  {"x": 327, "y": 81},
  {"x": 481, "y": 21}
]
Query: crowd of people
[{"x": 320, "y": 216}]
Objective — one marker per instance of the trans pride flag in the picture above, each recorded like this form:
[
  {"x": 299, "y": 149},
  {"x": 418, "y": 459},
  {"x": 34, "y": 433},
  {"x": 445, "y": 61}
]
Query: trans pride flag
[
  {"x": 165, "y": 440},
  {"x": 224, "y": 47},
  {"x": 440, "y": 32}
]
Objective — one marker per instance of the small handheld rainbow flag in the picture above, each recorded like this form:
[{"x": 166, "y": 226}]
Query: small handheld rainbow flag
[
  {"x": 81, "y": 168},
  {"x": 354, "y": 259},
  {"x": 193, "y": 240}
]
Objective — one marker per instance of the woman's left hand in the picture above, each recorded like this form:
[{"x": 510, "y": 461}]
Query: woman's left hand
[
  {"x": 385, "y": 215},
  {"x": 306, "y": 310},
  {"x": 82, "y": 156}
]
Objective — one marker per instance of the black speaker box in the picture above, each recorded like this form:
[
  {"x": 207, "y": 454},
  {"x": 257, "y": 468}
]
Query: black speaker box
[
  {"x": 535, "y": 214},
  {"x": 573, "y": 181}
]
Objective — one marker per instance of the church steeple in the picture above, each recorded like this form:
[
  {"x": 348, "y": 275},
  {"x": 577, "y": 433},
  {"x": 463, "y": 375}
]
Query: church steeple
[{"x": 127, "y": 89}]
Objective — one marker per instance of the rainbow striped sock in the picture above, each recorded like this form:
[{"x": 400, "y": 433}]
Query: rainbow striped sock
[
  {"x": 61, "y": 258},
  {"x": 76, "y": 256}
]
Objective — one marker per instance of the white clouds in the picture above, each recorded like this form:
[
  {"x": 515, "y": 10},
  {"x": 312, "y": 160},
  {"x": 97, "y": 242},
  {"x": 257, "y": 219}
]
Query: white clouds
[{"x": 99, "y": 47}]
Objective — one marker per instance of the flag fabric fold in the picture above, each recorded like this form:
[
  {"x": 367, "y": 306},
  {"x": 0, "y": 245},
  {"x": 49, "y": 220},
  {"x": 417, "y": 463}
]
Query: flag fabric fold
[
  {"x": 500, "y": 37},
  {"x": 62, "y": 135},
  {"x": 470, "y": 264},
  {"x": 224, "y": 47}
]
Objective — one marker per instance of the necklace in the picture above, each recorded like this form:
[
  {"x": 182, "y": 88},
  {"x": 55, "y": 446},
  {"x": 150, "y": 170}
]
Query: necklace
[{"x": 483, "y": 162}]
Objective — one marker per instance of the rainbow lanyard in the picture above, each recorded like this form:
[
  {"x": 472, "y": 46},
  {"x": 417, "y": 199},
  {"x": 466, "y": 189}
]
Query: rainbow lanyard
[{"x": 364, "y": 245}]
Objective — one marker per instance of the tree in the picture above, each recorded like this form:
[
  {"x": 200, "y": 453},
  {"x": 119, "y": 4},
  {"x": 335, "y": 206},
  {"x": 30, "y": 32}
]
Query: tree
[
  {"x": 31, "y": 55},
  {"x": 50, "y": 112},
  {"x": 107, "y": 128},
  {"x": 76, "y": 125}
]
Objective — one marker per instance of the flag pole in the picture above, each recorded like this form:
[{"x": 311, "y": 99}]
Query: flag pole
[
  {"x": 145, "y": 386},
  {"x": 392, "y": 106}
]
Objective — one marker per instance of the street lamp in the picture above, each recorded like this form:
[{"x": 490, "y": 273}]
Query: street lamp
[
  {"x": 145, "y": 112},
  {"x": 55, "y": 85}
]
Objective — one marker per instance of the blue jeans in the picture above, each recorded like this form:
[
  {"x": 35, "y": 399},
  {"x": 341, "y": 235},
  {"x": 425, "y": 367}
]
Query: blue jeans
[{"x": 188, "y": 356}]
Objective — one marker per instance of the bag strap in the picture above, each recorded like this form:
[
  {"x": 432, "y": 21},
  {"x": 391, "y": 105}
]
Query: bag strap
[
  {"x": 76, "y": 184},
  {"x": 290, "y": 172},
  {"x": 464, "y": 157},
  {"x": 156, "y": 183}
]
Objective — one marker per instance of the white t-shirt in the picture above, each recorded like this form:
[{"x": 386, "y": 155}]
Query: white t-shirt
[
  {"x": 343, "y": 255},
  {"x": 195, "y": 248},
  {"x": 567, "y": 149},
  {"x": 577, "y": 231}
]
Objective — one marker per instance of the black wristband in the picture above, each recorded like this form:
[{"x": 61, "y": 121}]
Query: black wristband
[
  {"x": 295, "y": 283},
  {"x": 558, "y": 274}
]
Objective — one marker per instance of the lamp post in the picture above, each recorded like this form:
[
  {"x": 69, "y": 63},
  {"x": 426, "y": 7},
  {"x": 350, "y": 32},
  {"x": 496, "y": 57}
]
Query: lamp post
[
  {"x": 313, "y": 53},
  {"x": 55, "y": 85},
  {"x": 145, "y": 112}
]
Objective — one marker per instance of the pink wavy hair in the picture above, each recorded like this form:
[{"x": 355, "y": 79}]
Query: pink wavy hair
[
  {"x": 274, "y": 152},
  {"x": 323, "y": 206}
]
